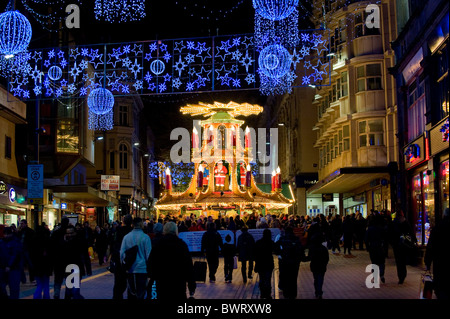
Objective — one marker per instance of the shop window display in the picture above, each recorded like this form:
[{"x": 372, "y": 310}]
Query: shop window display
[{"x": 444, "y": 186}]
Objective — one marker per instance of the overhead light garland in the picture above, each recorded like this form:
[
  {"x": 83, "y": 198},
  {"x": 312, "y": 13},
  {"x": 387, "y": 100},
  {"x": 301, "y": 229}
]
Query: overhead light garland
[
  {"x": 15, "y": 33},
  {"x": 276, "y": 31},
  {"x": 119, "y": 10},
  {"x": 100, "y": 102}
]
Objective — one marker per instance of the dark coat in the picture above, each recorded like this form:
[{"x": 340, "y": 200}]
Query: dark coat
[
  {"x": 290, "y": 249},
  {"x": 12, "y": 253},
  {"x": 375, "y": 240},
  {"x": 100, "y": 241},
  {"x": 41, "y": 254},
  {"x": 437, "y": 255},
  {"x": 245, "y": 246},
  {"x": 264, "y": 249},
  {"x": 319, "y": 257},
  {"x": 170, "y": 265},
  {"x": 211, "y": 243}
]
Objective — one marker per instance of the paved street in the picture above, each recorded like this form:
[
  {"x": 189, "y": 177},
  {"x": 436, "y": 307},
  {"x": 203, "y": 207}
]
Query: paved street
[{"x": 345, "y": 279}]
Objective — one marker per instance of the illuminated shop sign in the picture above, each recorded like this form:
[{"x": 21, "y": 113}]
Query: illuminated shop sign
[
  {"x": 412, "y": 153},
  {"x": 3, "y": 188},
  {"x": 12, "y": 195},
  {"x": 444, "y": 131}
]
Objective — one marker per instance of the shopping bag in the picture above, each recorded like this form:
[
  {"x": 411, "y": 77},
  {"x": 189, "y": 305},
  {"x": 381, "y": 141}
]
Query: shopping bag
[
  {"x": 426, "y": 286},
  {"x": 235, "y": 262},
  {"x": 91, "y": 252},
  {"x": 200, "y": 271}
]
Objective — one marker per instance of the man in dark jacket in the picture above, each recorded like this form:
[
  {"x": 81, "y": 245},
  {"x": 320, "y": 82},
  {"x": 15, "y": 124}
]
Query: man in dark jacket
[
  {"x": 228, "y": 252},
  {"x": 291, "y": 253},
  {"x": 120, "y": 275},
  {"x": 375, "y": 238},
  {"x": 170, "y": 265},
  {"x": 71, "y": 254},
  {"x": 397, "y": 231},
  {"x": 26, "y": 236},
  {"x": 212, "y": 245},
  {"x": 437, "y": 254},
  {"x": 319, "y": 257},
  {"x": 245, "y": 248},
  {"x": 264, "y": 264},
  {"x": 56, "y": 245}
]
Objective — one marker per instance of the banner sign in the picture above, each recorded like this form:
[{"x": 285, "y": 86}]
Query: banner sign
[{"x": 110, "y": 182}]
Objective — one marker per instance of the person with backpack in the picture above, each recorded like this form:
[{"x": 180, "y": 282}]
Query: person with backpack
[
  {"x": 245, "y": 247},
  {"x": 290, "y": 253},
  {"x": 134, "y": 252}
]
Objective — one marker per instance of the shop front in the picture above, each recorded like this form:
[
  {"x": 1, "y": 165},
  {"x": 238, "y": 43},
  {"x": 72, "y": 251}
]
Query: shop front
[
  {"x": 439, "y": 152},
  {"x": 13, "y": 204},
  {"x": 421, "y": 188}
]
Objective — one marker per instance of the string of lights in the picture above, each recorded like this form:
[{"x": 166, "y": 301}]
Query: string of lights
[
  {"x": 49, "y": 21},
  {"x": 119, "y": 11},
  {"x": 203, "y": 11}
]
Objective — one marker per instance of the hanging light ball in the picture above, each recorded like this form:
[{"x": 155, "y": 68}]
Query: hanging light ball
[
  {"x": 157, "y": 67},
  {"x": 15, "y": 33},
  {"x": 274, "y": 61},
  {"x": 100, "y": 101},
  {"x": 54, "y": 73},
  {"x": 275, "y": 9}
]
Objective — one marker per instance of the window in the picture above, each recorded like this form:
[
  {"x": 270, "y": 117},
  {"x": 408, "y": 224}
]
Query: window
[
  {"x": 346, "y": 137},
  {"x": 371, "y": 133},
  {"x": 416, "y": 110},
  {"x": 344, "y": 87},
  {"x": 368, "y": 77},
  {"x": 111, "y": 160},
  {"x": 443, "y": 85},
  {"x": 361, "y": 28},
  {"x": 123, "y": 115},
  {"x": 123, "y": 156},
  {"x": 8, "y": 150}
]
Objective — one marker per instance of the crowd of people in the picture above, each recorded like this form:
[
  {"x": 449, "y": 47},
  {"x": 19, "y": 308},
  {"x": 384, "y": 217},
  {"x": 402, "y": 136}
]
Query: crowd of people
[{"x": 161, "y": 264}]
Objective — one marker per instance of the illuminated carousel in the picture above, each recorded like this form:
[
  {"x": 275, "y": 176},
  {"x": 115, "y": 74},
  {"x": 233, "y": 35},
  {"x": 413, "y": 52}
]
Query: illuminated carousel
[{"x": 222, "y": 183}]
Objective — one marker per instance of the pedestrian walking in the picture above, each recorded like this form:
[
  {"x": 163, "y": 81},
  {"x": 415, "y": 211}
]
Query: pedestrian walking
[
  {"x": 264, "y": 263},
  {"x": 437, "y": 255},
  {"x": 88, "y": 241},
  {"x": 100, "y": 244},
  {"x": 40, "y": 257},
  {"x": 318, "y": 257},
  {"x": 375, "y": 237},
  {"x": 71, "y": 255},
  {"x": 26, "y": 236},
  {"x": 137, "y": 273},
  {"x": 228, "y": 252},
  {"x": 11, "y": 267},
  {"x": 57, "y": 247},
  {"x": 170, "y": 265},
  {"x": 120, "y": 275},
  {"x": 399, "y": 231},
  {"x": 360, "y": 229},
  {"x": 290, "y": 253},
  {"x": 336, "y": 233},
  {"x": 245, "y": 248},
  {"x": 211, "y": 246},
  {"x": 348, "y": 230}
]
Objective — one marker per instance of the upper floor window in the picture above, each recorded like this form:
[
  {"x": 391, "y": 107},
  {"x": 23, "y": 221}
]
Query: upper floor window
[
  {"x": 8, "y": 147},
  {"x": 416, "y": 109},
  {"x": 371, "y": 133},
  {"x": 361, "y": 28},
  {"x": 368, "y": 77},
  {"x": 344, "y": 85},
  {"x": 123, "y": 156},
  {"x": 123, "y": 115}
]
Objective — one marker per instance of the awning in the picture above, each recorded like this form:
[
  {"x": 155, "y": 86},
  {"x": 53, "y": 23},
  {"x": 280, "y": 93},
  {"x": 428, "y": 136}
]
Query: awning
[
  {"x": 347, "y": 179},
  {"x": 84, "y": 195}
]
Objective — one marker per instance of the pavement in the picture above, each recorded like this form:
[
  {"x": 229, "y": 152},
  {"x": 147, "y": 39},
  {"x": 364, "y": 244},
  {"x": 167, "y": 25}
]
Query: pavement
[{"x": 345, "y": 279}]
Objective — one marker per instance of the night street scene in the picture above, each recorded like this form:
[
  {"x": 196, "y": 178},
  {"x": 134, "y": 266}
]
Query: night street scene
[{"x": 239, "y": 158}]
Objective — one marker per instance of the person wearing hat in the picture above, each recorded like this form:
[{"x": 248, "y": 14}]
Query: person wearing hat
[{"x": 220, "y": 173}]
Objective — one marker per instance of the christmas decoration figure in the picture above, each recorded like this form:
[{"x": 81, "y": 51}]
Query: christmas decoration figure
[{"x": 220, "y": 173}]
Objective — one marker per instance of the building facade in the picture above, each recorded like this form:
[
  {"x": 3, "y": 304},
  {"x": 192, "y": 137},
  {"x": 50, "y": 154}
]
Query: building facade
[
  {"x": 356, "y": 117},
  {"x": 421, "y": 73}
]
